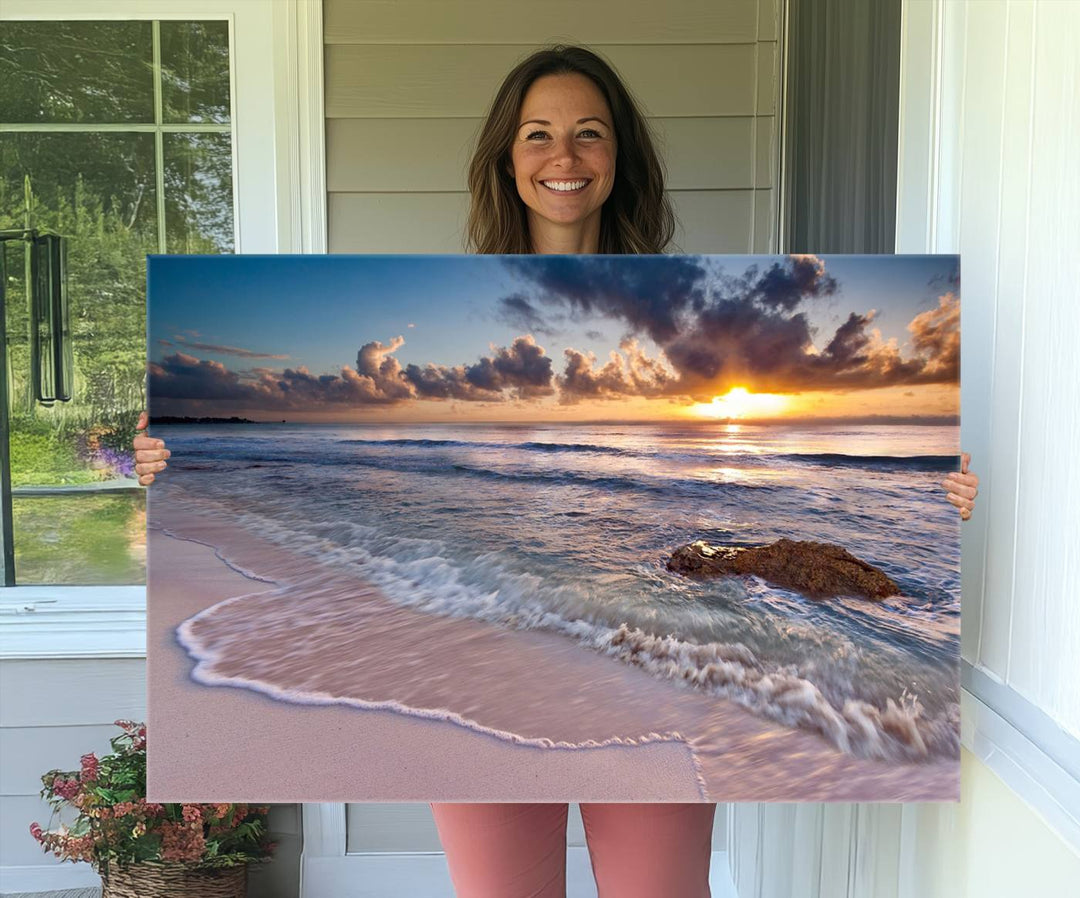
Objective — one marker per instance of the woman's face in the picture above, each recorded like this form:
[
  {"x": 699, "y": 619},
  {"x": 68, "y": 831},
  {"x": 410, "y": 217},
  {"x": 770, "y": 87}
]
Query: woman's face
[{"x": 563, "y": 155}]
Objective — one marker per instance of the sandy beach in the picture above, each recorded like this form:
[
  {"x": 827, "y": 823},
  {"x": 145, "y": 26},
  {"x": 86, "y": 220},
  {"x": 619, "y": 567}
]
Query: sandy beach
[{"x": 591, "y": 729}]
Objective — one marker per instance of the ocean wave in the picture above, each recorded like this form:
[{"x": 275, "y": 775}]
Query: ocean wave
[
  {"x": 705, "y": 489},
  {"x": 898, "y": 731},
  {"x": 531, "y": 446},
  {"x": 823, "y": 697},
  {"x": 886, "y": 463},
  {"x": 879, "y": 462}
]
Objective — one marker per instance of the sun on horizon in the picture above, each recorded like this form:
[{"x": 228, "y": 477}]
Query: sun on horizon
[{"x": 739, "y": 402}]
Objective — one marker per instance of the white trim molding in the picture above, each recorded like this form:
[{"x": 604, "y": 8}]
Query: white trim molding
[
  {"x": 1037, "y": 759},
  {"x": 298, "y": 28},
  {"x": 73, "y": 622}
]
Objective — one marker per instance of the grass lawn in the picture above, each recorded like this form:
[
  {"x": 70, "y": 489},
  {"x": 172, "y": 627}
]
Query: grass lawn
[{"x": 81, "y": 540}]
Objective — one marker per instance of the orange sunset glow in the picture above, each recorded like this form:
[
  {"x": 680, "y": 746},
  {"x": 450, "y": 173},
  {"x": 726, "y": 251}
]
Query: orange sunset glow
[{"x": 739, "y": 402}]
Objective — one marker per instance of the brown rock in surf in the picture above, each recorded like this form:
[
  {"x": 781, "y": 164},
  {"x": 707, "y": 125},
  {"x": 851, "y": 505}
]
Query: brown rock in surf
[{"x": 818, "y": 570}]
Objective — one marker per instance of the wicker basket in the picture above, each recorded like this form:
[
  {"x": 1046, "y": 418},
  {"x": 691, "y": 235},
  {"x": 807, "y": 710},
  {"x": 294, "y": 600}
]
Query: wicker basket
[{"x": 170, "y": 880}]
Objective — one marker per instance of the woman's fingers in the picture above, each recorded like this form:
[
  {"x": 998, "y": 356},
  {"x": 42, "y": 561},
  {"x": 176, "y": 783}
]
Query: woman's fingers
[
  {"x": 148, "y": 455},
  {"x": 963, "y": 485},
  {"x": 965, "y": 460},
  {"x": 960, "y": 502}
]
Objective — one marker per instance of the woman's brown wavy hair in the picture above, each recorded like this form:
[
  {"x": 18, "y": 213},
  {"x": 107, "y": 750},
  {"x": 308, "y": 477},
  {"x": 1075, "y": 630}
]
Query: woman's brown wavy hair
[{"x": 637, "y": 217}]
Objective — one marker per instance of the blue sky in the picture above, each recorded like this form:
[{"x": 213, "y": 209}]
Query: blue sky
[{"x": 255, "y": 315}]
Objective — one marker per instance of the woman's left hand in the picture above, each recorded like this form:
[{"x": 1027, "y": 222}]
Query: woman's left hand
[{"x": 962, "y": 487}]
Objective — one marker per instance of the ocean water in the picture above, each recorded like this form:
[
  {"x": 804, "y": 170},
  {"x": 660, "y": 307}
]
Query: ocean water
[{"x": 568, "y": 529}]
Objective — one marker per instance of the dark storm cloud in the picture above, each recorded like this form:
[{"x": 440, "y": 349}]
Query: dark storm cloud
[
  {"x": 649, "y": 293},
  {"x": 519, "y": 313},
  {"x": 716, "y": 331},
  {"x": 181, "y": 376},
  {"x": 786, "y": 284}
]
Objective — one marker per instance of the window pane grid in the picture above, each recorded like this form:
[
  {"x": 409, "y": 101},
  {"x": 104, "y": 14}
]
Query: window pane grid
[{"x": 190, "y": 74}]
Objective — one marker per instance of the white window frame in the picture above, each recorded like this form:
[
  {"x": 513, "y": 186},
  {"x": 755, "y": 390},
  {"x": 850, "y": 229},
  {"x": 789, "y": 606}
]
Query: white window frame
[{"x": 279, "y": 205}]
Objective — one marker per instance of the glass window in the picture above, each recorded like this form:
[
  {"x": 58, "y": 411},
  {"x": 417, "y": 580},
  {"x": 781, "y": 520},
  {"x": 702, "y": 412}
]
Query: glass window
[{"x": 117, "y": 136}]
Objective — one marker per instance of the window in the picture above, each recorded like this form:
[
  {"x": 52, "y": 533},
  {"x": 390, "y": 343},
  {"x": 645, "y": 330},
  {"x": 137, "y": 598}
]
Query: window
[{"x": 118, "y": 136}]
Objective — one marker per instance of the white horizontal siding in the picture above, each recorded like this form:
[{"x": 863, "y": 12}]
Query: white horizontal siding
[
  {"x": 459, "y": 80},
  {"x": 521, "y": 22},
  {"x": 710, "y": 221},
  {"x": 396, "y": 155},
  {"x": 61, "y": 693}
]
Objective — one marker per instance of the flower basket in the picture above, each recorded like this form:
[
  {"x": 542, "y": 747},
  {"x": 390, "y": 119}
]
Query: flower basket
[
  {"x": 173, "y": 880},
  {"x": 144, "y": 849}
]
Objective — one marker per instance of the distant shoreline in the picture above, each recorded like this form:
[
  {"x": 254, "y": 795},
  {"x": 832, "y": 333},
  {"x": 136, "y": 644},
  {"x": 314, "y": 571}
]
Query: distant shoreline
[
  {"x": 879, "y": 421},
  {"x": 174, "y": 419}
]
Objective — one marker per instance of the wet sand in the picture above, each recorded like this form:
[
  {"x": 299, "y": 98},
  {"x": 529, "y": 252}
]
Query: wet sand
[{"x": 533, "y": 716}]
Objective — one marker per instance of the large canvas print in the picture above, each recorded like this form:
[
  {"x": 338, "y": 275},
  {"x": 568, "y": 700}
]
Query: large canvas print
[{"x": 604, "y": 528}]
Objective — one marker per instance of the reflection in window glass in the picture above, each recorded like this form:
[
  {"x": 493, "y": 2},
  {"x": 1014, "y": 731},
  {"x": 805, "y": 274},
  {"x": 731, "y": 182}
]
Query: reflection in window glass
[
  {"x": 97, "y": 185},
  {"x": 83, "y": 540},
  {"x": 98, "y": 190},
  {"x": 195, "y": 71},
  {"x": 63, "y": 72},
  {"x": 198, "y": 193}
]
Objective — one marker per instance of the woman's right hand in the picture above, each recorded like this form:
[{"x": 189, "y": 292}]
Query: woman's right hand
[{"x": 150, "y": 454}]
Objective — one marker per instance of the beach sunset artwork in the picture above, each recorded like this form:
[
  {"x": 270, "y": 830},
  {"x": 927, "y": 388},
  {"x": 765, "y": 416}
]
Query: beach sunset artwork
[{"x": 554, "y": 528}]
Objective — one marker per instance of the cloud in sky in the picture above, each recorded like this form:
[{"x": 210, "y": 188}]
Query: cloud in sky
[
  {"x": 708, "y": 331},
  {"x": 626, "y": 373},
  {"x": 720, "y": 332},
  {"x": 517, "y": 372},
  {"x": 226, "y": 350}
]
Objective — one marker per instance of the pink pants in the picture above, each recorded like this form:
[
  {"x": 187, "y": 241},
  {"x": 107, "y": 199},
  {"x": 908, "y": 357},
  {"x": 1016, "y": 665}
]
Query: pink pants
[{"x": 519, "y": 850}]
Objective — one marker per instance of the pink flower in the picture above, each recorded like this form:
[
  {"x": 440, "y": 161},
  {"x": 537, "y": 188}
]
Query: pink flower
[
  {"x": 89, "y": 767},
  {"x": 181, "y": 842},
  {"x": 192, "y": 813},
  {"x": 65, "y": 788},
  {"x": 35, "y": 831}
]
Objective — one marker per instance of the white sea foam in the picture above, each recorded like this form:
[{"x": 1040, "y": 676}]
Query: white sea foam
[{"x": 420, "y": 573}]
